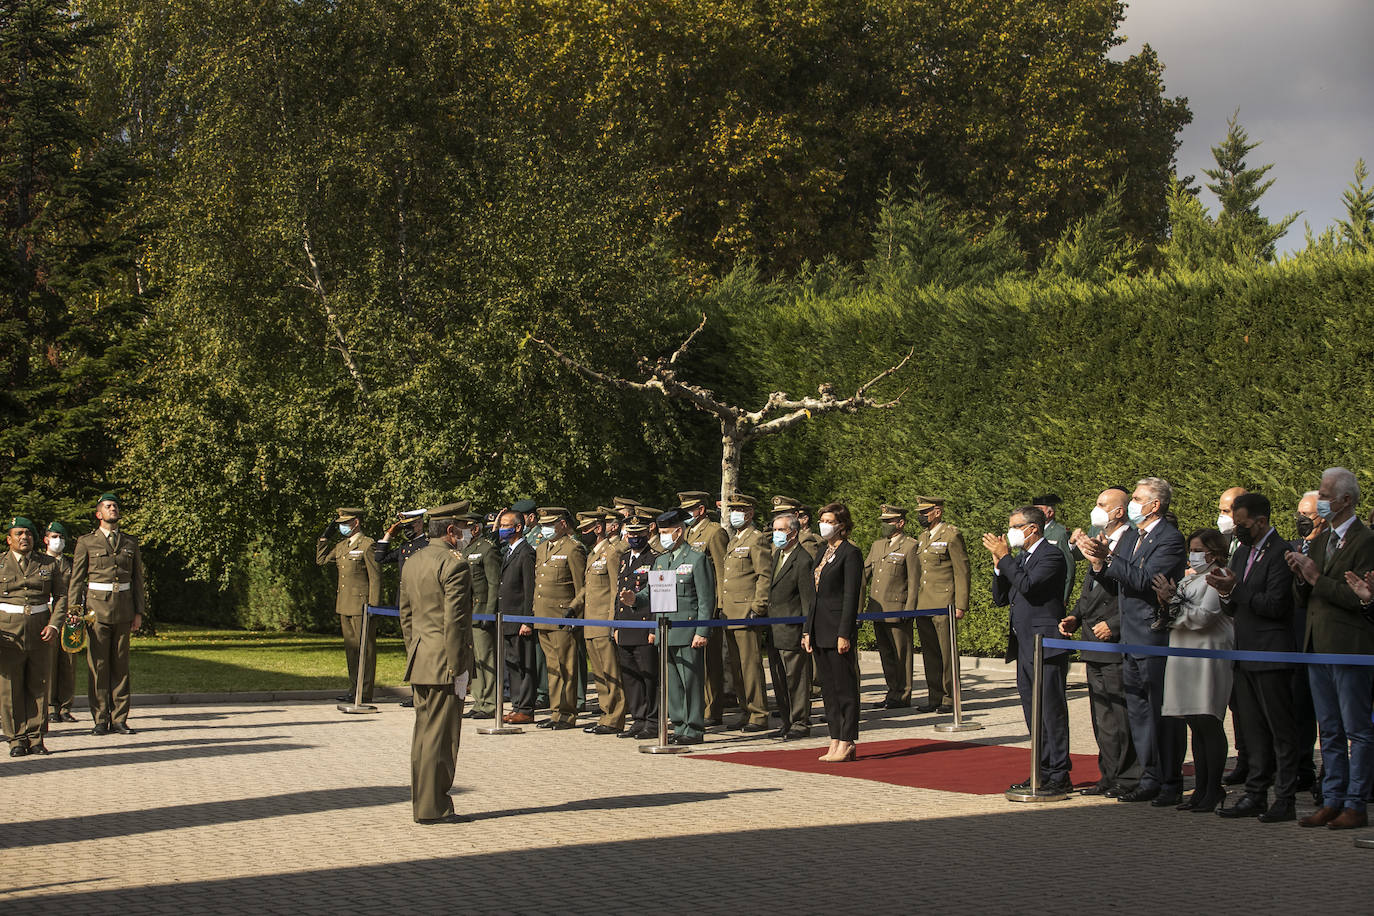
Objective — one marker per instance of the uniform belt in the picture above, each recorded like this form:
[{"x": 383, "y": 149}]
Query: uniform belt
[
  {"x": 109, "y": 586},
  {"x": 23, "y": 608}
]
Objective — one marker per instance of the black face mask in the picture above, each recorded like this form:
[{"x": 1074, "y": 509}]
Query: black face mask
[
  {"x": 1246, "y": 535},
  {"x": 638, "y": 542},
  {"x": 1305, "y": 526},
  {"x": 924, "y": 519},
  {"x": 888, "y": 529}
]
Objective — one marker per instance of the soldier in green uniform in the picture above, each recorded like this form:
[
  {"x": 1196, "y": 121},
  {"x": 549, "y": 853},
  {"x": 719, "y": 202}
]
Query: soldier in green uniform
[
  {"x": 944, "y": 583},
  {"x": 748, "y": 570},
  {"x": 1058, "y": 535},
  {"x": 706, "y": 536},
  {"x": 33, "y": 603},
  {"x": 484, "y": 566},
  {"x": 696, "y": 600},
  {"x": 360, "y": 584},
  {"x": 602, "y": 577},
  {"x": 107, "y": 578},
  {"x": 560, "y": 570},
  {"x": 62, "y": 682},
  {"x": 894, "y": 573},
  {"x": 436, "y": 609}
]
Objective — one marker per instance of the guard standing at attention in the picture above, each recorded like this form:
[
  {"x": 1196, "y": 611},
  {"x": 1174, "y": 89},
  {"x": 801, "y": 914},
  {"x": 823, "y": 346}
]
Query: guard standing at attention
[
  {"x": 33, "y": 604},
  {"x": 107, "y": 578},
  {"x": 436, "y": 609},
  {"x": 708, "y": 537},
  {"x": 894, "y": 571},
  {"x": 744, "y": 595},
  {"x": 484, "y": 565},
  {"x": 944, "y": 583},
  {"x": 635, "y": 649},
  {"x": 602, "y": 577},
  {"x": 360, "y": 583},
  {"x": 62, "y": 682},
  {"x": 560, "y": 570}
]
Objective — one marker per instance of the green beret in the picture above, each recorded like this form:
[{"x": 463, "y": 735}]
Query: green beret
[
  {"x": 59, "y": 528},
  {"x": 19, "y": 521},
  {"x": 108, "y": 497}
]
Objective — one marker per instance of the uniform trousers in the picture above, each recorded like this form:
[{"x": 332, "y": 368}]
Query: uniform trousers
[
  {"x": 610, "y": 685},
  {"x": 1116, "y": 759},
  {"x": 746, "y": 668},
  {"x": 840, "y": 691},
  {"x": 639, "y": 674},
  {"x": 560, "y": 654},
  {"x": 714, "y": 685},
  {"x": 62, "y": 681},
  {"x": 934, "y": 635},
  {"x": 434, "y": 749},
  {"x": 1264, "y": 703},
  {"x": 522, "y": 664},
  {"x": 894, "y": 651},
  {"x": 24, "y": 669},
  {"x": 686, "y": 699},
  {"x": 484, "y": 684},
  {"x": 356, "y": 641},
  {"x": 107, "y": 662}
]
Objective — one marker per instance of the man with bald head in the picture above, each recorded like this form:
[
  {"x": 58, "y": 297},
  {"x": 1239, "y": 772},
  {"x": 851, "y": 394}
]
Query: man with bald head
[
  {"x": 1225, "y": 523},
  {"x": 1098, "y": 615}
]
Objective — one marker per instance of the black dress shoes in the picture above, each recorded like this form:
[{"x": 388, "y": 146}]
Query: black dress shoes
[
  {"x": 562, "y": 726},
  {"x": 602, "y": 730},
  {"x": 446, "y": 819},
  {"x": 547, "y": 723},
  {"x": 100, "y": 729},
  {"x": 408, "y": 703},
  {"x": 926, "y": 707},
  {"x": 1140, "y": 794},
  {"x": 1117, "y": 790},
  {"x": 122, "y": 729},
  {"x": 345, "y": 698},
  {"x": 1055, "y": 787},
  {"x": 1236, "y": 777},
  {"x": 39, "y": 749},
  {"x": 881, "y": 704},
  {"x": 753, "y": 727},
  {"x": 1020, "y": 786},
  {"x": 1282, "y": 810},
  {"x": 1097, "y": 788},
  {"x": 474, "y": 714},
  {"x": 1249, "y": 806},
  {"x": 19, "y": 750},
  {"x": 1167, "y": 799},
  {"x": 1208, "y": 803},
  {"x": 630, "y": 733},
  {"x": 781, "y": 734},
  {"x": 711, "y": 723},
  {"x": 799, "y": 731},
  {"x": 683, "y": 740}
]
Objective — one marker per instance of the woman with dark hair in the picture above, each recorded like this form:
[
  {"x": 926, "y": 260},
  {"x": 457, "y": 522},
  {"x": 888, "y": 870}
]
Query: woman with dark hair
[
  {"x": 1196, "y": 689},
  {"x": 832, "y": 630}
]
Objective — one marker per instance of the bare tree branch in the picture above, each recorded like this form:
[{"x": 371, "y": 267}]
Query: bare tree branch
[
  {"x": 672, "y": 360},
  {"x": 316, "y": 286},
  {"x": 826, "y": 403}
]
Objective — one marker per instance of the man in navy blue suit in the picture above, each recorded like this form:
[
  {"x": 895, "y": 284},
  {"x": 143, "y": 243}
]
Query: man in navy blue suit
[
  {"x": 1032, "y": 583},
  {"x": 1154, "y": 547}
]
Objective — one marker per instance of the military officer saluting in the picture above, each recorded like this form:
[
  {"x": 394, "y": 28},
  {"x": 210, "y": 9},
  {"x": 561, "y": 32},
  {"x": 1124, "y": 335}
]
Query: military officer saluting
[
  {"x": 436, "y": 609},
  {"x": 602, "y": 579},
  {"x": 560, "y": 570},
  {"x": 484, "y": 565},
  {"x": 744, "y": 595},
  {"x": 944, "y": 583},
  {"x": 708, "y": 537},
  {"x": 33, "y": 604},
  {"x": 360, "y": 584},
  {"x": 62, "y": 681},
  {"x": 696, "y": 600},
  {"x": 107, "y": 578},
  {"x": 894, "y": 571}
]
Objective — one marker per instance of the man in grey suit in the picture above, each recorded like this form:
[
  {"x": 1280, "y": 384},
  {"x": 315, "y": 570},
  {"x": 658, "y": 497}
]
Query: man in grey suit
[
  {"x": 436, "y": 608},
  {"x": 791, "y": 593}
]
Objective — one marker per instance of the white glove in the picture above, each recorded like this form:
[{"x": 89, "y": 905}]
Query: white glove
[{"x": 460, "y": 685}]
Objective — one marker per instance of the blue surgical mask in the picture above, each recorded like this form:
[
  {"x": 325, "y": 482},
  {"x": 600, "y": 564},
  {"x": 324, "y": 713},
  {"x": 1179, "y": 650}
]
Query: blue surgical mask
[
  {"x": 1135, "y": 512},
  {"x": 505, "y": 533},
  {"x": 779, "y": 539},
  {"x": 637, "y": 542},
  {"x": 1324, "y": 508},
  {"x": 546, "y": 531},
  {"x": 736, "y": 519},
  {"x": 1197, "y": 560},
  {"x": 665, "y": 540},
  {"x": 345, "y": 530}
]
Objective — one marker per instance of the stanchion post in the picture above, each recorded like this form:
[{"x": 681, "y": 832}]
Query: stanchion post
[
  {"x": 498, "y": 725},
  {"x": 358, "y": 707},
  {"x": 1034, "y": 794},
  {"x": 663, "y": 747},
  {"x": 958, "y": 725}
]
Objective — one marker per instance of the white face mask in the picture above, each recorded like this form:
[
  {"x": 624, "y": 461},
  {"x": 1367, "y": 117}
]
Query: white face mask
[
  {"x": 827, "y": 530},
  {"x": 665, "y": 540},
  {"x": 736, "y": 519},
  {"x": 1225, "y": 524},
  {"x": 465, "y": 537},
  {"x": 546, "y": 531},
  {"x": 56, "y": 546},
  {"x": 1198, "y": 560},
  {"x": 1099, "y": 517},
  {"x": 1016, "y": 537}
]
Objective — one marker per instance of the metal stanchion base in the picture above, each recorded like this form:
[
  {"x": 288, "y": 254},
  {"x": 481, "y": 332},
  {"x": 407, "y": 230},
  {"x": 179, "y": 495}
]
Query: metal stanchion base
[
  {"x": 357, "y": 710},
  {"x": 1364, "y": 842},
  {"x": 500, "y": 730},
  {"x": 1030, "y": 797},
  {"x": 664, "y": 749},
  {"x": 958, "y": 727}
]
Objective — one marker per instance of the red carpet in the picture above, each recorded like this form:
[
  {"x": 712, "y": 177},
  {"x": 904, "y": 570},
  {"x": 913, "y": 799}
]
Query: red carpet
[{"x": 951, "y": 766}]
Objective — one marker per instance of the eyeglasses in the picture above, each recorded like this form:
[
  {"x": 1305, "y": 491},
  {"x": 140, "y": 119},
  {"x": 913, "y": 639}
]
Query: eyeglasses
[{"x": 1023, "y": 525}]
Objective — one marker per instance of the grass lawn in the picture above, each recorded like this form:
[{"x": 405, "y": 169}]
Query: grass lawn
[{"x": 182, "y": 659}]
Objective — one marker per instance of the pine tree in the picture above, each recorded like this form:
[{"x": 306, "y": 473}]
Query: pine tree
[
  {"x": 1239, "y": 189},
  {"x": 1357, "y": 229}
]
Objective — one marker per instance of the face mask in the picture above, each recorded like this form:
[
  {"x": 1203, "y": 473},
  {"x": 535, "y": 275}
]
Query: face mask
[
  {"x": 546, "y": 531},
  {"x": 1135, "y": 512},
  {"x": 780, "y": 539},
  {"x": 345, "y": 530},
  {"x": 665, "y": 540},
  {"x": 1225, "y": 524},
  {"x": 1245, "y": 535},
  {"x": 1324, "y": 508},
  {"x": 56, "y": 546},
  {"x": 888, "y": 529},
  {"x": 827, "y": 530},
  {"x": 1197, "y": 560},
  {"x": 1016, "y": 537},
  {"x": 1305, "y": 526},
  {"x": 465, "y": 537},
  {"x": 505, "y": 534},
  {"x": 638, "y": 542},
  {"x": 1099, "y": 517},
  {"x": 736, "y": 519}
]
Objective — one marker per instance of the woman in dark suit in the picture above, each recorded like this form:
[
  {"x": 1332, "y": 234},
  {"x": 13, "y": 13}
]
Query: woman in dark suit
[{"x": 832, "y": 630}]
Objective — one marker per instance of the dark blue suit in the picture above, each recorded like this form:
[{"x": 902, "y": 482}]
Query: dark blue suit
[
  {"x": 1032, "y": 583},
  {"x": 1159, "y": 743}
]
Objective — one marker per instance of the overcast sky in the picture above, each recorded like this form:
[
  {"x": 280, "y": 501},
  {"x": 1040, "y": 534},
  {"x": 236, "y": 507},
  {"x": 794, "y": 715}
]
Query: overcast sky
[{"x": 1300, "y": 71}]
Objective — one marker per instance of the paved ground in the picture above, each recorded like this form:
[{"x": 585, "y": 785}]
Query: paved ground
[{"x": 294, "y": 807}]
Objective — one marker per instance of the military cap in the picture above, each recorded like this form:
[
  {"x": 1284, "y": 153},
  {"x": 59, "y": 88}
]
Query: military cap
[
  {"x": 671, "y": 518},
  {"x": 523, "y": 506},
  {"x": 410, "y": 515},
  {"x": 636, "y": 527},
  {"x": 549, "y": 515},
  {"x": 585, "y": 520},
  {"x": 889, "y": 513},
  {"x": 690, "y": 499},
  {"x": 785, "y": 504},
  {"x": 58, "y": 528},
  {"x": 470, "y": 516},
  {"x": 450, "y": 511},
  {"x": 491, "y": 517},
  {"x": 108, "y": 497},
  {"x": 19, "y": 521},
  {"x": 1049, "y": 499},
  {"x": 345, "y": 513},
  {"x": 928, "y": 502},
  {"x": 647, "y": 513},
  {"x": 740, "y": 501},
  {"x": 605, "y": 513},
  {"x": 624, "y": 502}
]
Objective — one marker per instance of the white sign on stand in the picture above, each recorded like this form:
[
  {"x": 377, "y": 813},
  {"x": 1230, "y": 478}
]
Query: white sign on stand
[{"x": 662, "y": 591}]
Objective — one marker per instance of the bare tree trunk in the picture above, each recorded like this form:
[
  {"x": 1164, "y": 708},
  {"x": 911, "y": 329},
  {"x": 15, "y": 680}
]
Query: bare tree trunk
[{"x": 732, "y": 439}]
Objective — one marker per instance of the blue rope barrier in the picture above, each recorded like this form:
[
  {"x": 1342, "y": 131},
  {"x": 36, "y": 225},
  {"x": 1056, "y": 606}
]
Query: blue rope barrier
[
  {"x": 383, "y": 610},
  {"x": 904, "y": 615},
  {"x": 389, "y": 611},
  {"x": 1297, "y": 658}
]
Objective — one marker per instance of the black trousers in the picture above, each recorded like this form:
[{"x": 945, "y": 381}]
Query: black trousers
[
  {"x": 1116, "y": 759},
  {"x": 1305, "y": 720},
  {"x": 1264, "y": 701},
  {"x": 522, "y": 665},
  {"x": 1209, "y": 754},
  {"x": 1159, "y": 742},
  {"x": 1054, "y": 710},
  {"x": 840, "y": 691},
  {"x": 639, "y": 674}
]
